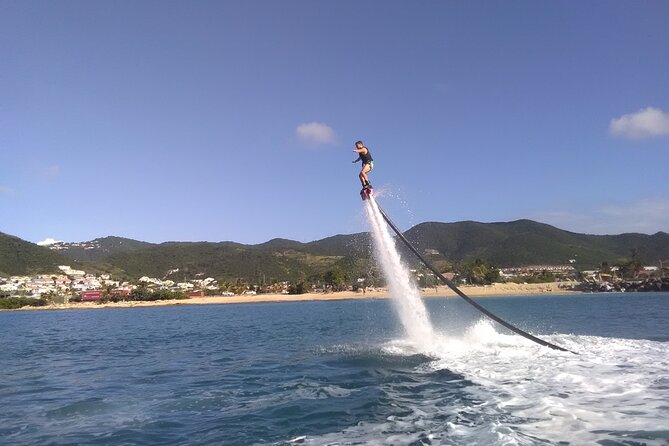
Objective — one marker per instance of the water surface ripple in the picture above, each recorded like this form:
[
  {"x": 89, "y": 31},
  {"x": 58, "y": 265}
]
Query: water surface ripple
[{"x": 338, "y": 373}]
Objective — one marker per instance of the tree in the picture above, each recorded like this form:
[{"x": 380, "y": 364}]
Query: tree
[
  {"x": 239, "y": 286},
  {"x": 297, "y": 288},
  {"x": 479, "y": 272},
  {"x": 629, "y": 269},
  {"x": 605, "y": 268},
  {"x": 335, "y": 279},
  {"x": 428, "y": 280},
  {"x": 108, "y": 290}
]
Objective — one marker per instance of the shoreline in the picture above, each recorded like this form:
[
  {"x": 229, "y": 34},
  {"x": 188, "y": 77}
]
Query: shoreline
[{"x": 494, "y": 290}]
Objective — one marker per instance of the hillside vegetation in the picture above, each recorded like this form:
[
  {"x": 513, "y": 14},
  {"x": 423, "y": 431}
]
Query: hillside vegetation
[
  {"x": 518, "y": 243},
  {"x": 19, "y": 257},
  {"x": 526, "y": 242}
]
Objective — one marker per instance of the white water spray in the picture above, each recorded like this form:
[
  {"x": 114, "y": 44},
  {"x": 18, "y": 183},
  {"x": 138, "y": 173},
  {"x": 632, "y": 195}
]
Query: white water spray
[{"x": 405, "y": 296}]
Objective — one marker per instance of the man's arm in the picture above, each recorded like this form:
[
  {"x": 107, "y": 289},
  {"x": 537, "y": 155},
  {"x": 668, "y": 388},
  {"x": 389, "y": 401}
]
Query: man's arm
[{"x": 359, "y": 151}]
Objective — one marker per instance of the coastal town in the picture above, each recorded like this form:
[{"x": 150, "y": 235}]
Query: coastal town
[
  {"x": 77, "y": 285},
  {"x": 72, "y": 285}
]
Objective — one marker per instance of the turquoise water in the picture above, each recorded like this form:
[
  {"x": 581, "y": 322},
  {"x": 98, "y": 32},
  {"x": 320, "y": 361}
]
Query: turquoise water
[{"x": 338, "y": 373}]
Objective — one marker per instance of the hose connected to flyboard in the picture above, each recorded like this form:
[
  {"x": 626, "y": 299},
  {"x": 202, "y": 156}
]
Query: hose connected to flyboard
[{"x": 469, "y": 300}]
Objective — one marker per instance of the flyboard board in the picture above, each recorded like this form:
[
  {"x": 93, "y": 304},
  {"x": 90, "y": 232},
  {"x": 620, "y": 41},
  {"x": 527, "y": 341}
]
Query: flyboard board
[{"x": 366, "y": 192}]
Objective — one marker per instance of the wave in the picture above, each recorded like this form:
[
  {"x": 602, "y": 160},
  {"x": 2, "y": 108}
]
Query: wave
[{"x": 487, "y": 387}]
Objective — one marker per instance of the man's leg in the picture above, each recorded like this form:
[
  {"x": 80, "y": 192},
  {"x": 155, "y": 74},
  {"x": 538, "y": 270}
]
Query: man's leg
[{"x": 363, "y": 175}]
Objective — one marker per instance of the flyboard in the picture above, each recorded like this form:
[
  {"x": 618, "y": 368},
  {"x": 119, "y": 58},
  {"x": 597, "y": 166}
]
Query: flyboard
[{"x": 368, "y": 193}]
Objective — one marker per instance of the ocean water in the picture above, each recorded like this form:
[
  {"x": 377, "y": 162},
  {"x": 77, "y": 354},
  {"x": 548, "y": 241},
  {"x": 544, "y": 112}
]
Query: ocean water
[{"x": 339, "y": 373}]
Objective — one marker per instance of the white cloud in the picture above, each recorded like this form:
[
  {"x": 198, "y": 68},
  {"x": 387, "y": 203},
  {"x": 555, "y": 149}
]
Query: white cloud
[
  {"x": 647, "y": 216},
  {"x": 48, "y": 241},
  {"x": 646, "y": 123},
  {"x": 315, "y": 133}
]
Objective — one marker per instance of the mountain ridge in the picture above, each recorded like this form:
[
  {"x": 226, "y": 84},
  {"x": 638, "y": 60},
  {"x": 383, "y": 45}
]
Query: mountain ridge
[{"x": 504, "y": 244}]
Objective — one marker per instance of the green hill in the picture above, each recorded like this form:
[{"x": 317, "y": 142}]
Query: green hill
[
  {"x": 19, "y": 257},
  {"x": 99, "y": 249},
  {"x": 274, "y": 260},
  {"x": 224, "y": 260},
  {"x": 526, "y": 242},
  {"x": 342, "y": 245},
  {"x": 517, "y": 243}
]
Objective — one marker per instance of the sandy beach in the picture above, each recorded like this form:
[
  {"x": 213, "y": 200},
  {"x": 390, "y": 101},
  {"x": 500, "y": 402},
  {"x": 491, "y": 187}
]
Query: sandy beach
[{"x": 494, "y": 290}]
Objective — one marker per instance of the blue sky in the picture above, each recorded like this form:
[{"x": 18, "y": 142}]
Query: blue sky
[{"x": 235, "y": 120}]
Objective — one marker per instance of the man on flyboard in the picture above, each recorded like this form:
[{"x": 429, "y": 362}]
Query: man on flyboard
[{"x": 367, "y": 165}]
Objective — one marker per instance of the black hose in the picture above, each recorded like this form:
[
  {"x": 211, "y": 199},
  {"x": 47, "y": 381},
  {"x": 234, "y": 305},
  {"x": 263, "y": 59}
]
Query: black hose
[{"x": 452, "y": 286}]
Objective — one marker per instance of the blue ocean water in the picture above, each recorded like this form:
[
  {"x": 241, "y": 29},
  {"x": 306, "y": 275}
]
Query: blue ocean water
[{"x": 337, "y": 373}]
